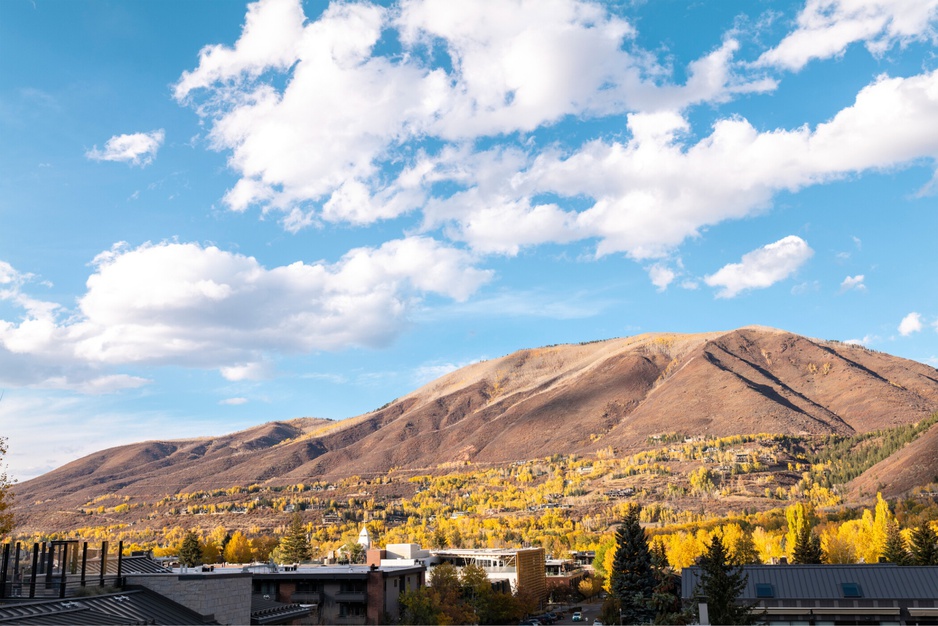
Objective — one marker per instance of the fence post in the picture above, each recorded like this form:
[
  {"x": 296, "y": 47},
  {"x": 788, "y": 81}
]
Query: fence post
[
  {"x": 103, "y": 563},
  {"x": 32, "y": 575},
  {"x": 63, "y": 565},
  {"x": 3, "y": 570},
  {"x": 120, "y": 562},
  {"x": 16, "y": 570},
  {"x": 50, "y": 561},
  {"x": 84, "y": 562}
]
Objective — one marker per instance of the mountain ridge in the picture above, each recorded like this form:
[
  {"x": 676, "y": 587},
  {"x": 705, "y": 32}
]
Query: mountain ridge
[{"x": 571, "y": 399}]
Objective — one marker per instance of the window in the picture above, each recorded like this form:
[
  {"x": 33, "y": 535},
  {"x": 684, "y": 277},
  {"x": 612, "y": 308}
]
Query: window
[
  {"x": 851, "y": 590},
  {"x": 307, "y": 586},
  {"x": 351, "y": 610},
  {"x": 765, "y": 590}
]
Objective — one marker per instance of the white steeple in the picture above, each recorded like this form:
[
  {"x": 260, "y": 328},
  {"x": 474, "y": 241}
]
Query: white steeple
[{"x": 364, "y": 539}]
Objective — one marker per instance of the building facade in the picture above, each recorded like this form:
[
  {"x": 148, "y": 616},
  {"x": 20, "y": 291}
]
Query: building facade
[
  {"x": 355, "y": 594},
  {"x": 834, "y": 594}
]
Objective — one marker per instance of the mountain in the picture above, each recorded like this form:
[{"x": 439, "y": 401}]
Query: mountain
[{"x": 565, "y": 399}]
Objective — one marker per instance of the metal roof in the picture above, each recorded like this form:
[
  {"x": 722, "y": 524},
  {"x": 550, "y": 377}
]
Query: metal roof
[
  {"x": 129, "y": 565},
  {"x": 881, "y": 581},
  {"x": 266, "y": 611},
  {"x": 136, "y": 606}
]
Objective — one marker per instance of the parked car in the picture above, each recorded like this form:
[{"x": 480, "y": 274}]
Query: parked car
[
  {"x": 577, "y": 617},
  {"x": 597, "y": 622}
]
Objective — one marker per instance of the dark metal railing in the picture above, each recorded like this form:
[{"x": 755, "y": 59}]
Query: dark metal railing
[{"x": 55, "y": 569}]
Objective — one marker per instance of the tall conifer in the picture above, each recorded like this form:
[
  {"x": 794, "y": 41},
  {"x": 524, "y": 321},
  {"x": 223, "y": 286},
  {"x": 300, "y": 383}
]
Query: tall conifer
[
  {"x": 294, "y": 546},
  {"x": 807, "y": 547},
  {"x": 924, "y": 546},
  {"x": 895, "y": 551},
  {"x": 190, "y": 554},
  {"x": 721, "y": 583},
  {"x": 632, "y": 579}
]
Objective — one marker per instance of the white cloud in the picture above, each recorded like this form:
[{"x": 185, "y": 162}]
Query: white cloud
[
  {"x": 661, "y": 276},
  {"x": 866, "y": 341},
  {"x": 233, "y": 401},
  {"x": 654, "y": 191},
  {"x": 347, "y": 135},
  {"x": 853, "y": 282},
  {"x": 249, "y": 371},
  {"x": 911, "y": 323},
  {"x": 189, "y": 305},
  {"x": 761, "y": 268},
  {"x": 825, "y": 28},
  {"x": 271, "y": 31},
  {"x": 327, "y": 143},
  {"x": 805, "y": 288},
  {"x": 137, "y": 149}
]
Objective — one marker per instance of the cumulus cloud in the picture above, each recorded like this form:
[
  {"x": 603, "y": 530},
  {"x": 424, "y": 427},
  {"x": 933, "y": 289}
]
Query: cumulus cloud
[
  {"x": 761, "y": 268},
  {"x": 911, "y": 323},
  {"x": 825, "y": 28},
  {"x": 191, "y": 305},
  {"x": 351, "y": 135},
  {"x": 853, "y": 282},
  {"x": 661, "y": 276},
  {"x": 328, "y": 141},
  {"x": 136, "y": 149}
]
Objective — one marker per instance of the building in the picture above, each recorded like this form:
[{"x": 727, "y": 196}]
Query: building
[
  {"x": 509, "y": 569},
  {"x": 523, "y": 570},
  {"x": 46, "y": 584},
  {"x": 342, "y": 594},
  {"x": 563, "y": 574},
  {"x": 835, "y": 594}
]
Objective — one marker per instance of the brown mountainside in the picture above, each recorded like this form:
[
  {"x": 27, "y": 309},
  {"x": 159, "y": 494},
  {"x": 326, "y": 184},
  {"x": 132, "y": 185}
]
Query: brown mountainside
[{"x": 534, "y": 403}]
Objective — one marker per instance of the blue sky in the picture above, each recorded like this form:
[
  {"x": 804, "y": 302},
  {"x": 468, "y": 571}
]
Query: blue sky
[{"x": 217, "y": 214}]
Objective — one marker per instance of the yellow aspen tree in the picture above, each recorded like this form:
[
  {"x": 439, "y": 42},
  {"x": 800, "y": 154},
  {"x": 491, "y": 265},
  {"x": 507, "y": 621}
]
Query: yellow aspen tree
[
  {"x": 768, "y": 544},
  {"x": 238, "y": 549},
  {"x": 837, "y": 542},
  {"x": 882, "y": 519},
  {"x": 738, "y": 543},
  {"x": 856, "y": 533},
  {"x": 798, "y": 515},
  {"x": 866, "y": 550},
  {"x": 608, "y": 559},
  {"x": 210, "y": 551}
]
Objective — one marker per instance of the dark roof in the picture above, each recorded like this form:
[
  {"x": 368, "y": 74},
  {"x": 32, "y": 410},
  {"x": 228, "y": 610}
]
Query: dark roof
[
  {"x": 136, "y": 606},
  {"x": 883, "y": 581},
  {"x": 267, "y": 611},
  {"x": 129, "y": 565},
  {"x": 337, "y": 572}
]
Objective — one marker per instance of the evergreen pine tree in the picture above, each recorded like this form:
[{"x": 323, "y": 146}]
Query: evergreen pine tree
[
  {"x": 894, "y": 550},
  {"x": 666, "y": 597},
  {"x": 294, "y": 546},
  {"x": 721, "y": 583},
  {"x": 807, "y": 547},
  {"x": 190, "y": 554},
  {"x": 924, "y": 546},
  {"x": 632, "y": 580}
]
